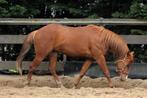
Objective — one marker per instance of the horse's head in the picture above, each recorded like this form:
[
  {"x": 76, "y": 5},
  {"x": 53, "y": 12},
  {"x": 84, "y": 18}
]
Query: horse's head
[{"x": 124, "y": 64}]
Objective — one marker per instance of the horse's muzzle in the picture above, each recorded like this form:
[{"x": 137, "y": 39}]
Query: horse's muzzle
[{"x": 123, "y": 77}]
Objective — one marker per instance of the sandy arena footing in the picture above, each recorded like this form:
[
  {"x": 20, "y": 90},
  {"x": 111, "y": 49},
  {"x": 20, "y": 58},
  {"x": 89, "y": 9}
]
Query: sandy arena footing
[{"x": 45, "y": 87}]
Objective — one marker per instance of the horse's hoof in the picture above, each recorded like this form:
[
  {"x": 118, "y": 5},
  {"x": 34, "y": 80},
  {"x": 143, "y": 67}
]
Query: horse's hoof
[
  {"x": 27, "y": 83},
  {"x": 111, "y": 86},
  {"x": 62, "y": 87},
  {"x": 74, "y": 87}
]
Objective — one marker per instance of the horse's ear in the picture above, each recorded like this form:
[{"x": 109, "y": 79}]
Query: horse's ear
[
  {"x": 131, "y": 56},
  {"x": 131, "y": 53}
]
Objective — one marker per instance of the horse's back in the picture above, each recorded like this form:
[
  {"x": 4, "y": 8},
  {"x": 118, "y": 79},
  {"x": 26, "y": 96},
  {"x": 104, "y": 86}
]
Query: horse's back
[{"x": 73, "y": 41}]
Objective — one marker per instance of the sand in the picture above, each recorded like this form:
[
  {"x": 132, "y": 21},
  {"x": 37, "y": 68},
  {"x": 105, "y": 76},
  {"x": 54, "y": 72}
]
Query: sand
[{"x": 45, "y": 87}]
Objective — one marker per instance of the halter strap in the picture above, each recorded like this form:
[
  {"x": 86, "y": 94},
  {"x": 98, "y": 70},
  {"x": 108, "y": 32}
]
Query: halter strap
[{"x": 121, "y": 60}]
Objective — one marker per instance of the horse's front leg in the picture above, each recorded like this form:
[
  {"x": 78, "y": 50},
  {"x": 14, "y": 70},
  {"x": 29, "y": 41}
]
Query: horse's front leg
[
  {"x": 105, "y": 70},
  {"x": 83, "y": 71},
  {"x": 100, "y": 59},
  {"x": 52, "y": 67}
]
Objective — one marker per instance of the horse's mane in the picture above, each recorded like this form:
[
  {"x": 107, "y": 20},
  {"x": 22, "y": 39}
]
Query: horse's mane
[{"x": 113, "y": 42}]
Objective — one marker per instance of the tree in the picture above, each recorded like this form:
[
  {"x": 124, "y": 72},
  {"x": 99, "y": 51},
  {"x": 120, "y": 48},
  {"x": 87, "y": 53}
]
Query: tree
[{"x": 137, "y": 9}]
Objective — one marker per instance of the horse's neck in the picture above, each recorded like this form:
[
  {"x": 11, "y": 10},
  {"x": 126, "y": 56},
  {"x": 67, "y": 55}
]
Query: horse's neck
[
  {"x": 121, "y": 51},
  {"x": 121, "y": 54},
  {"x": 117, "y": 46}
]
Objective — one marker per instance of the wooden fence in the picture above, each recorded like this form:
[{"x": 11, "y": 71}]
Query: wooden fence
[
  {"x": 18, "y": 39},
  {"x": 101, "y": 21}
]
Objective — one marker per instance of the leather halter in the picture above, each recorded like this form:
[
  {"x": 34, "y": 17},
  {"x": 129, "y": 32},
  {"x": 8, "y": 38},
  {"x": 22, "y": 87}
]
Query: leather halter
[{"x": 122, "y": 60}]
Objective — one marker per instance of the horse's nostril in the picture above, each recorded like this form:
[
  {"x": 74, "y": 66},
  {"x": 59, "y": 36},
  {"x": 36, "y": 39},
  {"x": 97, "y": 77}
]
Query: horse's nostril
[{"x": 124, "y": 77}]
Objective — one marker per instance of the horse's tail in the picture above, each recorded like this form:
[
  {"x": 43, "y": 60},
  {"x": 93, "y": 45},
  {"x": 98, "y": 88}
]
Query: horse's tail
[{"x": 25, "y": 48}]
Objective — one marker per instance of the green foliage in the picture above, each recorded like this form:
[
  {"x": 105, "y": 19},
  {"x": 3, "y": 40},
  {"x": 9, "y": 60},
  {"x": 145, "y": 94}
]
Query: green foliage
[
  {"x": 138, "y": 32},
  {"x": 93, "y": 16},
  {"x": 4, "y": 12},
  {"x": 3, "y": 2},
  {"x": 137, "y": 9},
  {"x": 119, "y": 15},
  {"x": 73, "y": 8},
  {"x": 75, "y": 12},
  {"x": 68, "y": 11},
  {"x": 7, "y": 10},
  {"x": 31, "y": 13},
  {"x": 17, "y": 11}
]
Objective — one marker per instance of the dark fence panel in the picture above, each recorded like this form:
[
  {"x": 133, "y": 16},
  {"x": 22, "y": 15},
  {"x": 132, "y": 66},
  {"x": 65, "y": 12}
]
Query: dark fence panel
[
  {"x": 18, "y": 39},
  {"x": 71, "y": 68}
]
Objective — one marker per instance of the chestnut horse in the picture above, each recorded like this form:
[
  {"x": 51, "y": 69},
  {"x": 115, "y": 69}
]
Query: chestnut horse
[{"x": 91, "y": 42}]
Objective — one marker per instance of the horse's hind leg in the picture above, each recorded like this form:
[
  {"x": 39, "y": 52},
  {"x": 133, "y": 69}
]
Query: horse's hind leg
[
  {"x": 52, "y": 67},
  {"x": 37, "y": 60},
  {"x": 83, "y": 71}
]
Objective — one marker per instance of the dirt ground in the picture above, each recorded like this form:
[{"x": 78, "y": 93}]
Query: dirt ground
[{"x": 45, "y": 87}]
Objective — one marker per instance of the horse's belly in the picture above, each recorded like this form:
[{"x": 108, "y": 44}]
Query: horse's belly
[
  {"x": 74, "y": 51},
  {"x": 75, "y": 45},
  {"x": 77, "y": 54}
]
